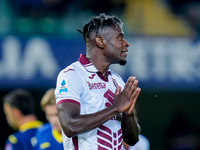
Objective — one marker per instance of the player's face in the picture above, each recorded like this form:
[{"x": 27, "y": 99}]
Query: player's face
[
  {"x": 116, "y": 45},
  {"x": 52, "y": 116},
  {"x": 10, "y": 116}
]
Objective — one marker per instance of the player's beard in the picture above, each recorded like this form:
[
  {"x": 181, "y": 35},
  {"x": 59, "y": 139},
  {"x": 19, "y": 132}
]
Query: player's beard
[{"x": 122, "y": 62}]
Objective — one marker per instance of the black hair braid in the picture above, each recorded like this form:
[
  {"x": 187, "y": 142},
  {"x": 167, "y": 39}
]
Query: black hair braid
[{"x": 99, "y": 22}]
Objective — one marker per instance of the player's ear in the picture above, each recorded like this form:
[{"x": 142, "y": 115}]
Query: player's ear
[{"x": 100, "y": 42}]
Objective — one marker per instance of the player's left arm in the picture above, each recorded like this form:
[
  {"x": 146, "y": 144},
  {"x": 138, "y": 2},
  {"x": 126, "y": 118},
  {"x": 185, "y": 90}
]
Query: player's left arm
[{"x": 130, "y": 127}]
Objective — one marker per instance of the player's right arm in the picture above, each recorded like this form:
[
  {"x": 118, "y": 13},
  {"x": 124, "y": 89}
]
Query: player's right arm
[{"x": 73, "y": 123}]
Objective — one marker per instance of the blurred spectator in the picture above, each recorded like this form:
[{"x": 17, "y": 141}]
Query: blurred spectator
[
  {"x": 40, "y": 8},
  {"x": 181, "y": 135},
  {"x": 190, "y": 11},
  {"x": 192, "y": 16},
  {"x": 57, "y": 8},
  {"x": 19, "y": 109},
  {"x": 102, "y": 6},
  {"x": 54, "y": 17},
  {"x": 49, "y": 136},
  {"x": 27, "y": 7}
]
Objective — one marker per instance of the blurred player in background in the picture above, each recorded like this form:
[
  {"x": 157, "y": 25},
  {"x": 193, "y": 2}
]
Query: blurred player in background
[
  {"x": 20, "y": 114},
  {"x": 49, "y": 135}
]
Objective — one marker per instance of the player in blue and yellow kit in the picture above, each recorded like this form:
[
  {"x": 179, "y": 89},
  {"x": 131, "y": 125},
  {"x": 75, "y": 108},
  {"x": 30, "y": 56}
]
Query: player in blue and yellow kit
[
  {"x": 49, "y": 136},
  {"x": 48, "y": 139},
  {"x": 19, "y": 109}
]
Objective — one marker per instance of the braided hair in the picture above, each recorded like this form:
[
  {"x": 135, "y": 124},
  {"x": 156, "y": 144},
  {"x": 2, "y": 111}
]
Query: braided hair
[{"x": 99, "y": 22}]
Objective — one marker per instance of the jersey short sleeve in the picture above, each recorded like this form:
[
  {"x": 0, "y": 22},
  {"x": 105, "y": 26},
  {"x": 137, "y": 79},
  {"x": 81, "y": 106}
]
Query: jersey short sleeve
[{"x": 69, "y": 86}]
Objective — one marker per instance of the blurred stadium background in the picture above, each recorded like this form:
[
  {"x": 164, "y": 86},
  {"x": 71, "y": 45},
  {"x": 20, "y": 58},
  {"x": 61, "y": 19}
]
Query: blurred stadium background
[{"x": 38, "y": 38}]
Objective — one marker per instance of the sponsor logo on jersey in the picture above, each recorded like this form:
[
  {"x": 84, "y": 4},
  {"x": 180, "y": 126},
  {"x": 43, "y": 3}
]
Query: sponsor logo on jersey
[
  {"x": 99, "y": 85},
  {"x": 63, "y": 87}
]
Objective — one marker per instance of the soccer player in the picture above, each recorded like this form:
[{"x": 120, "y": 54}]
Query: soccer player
[
  {"x": 19, "y": 109},
  {"x": 49, "y": 136},
  {"x": 94, "y": 104}
]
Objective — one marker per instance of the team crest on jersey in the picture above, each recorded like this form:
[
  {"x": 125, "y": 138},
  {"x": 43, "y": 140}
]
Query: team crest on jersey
[
  {"x": 63, "y": 86},
  {"x": 99, "y": 85},
  {"x": 114, "y": 82}
]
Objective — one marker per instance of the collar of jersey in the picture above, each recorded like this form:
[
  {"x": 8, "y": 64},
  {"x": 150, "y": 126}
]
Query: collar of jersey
[
  {"x": 30, "y": 125},
  {"x": 57, "y": 136},
  {"x": 88, "y": 65}
]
